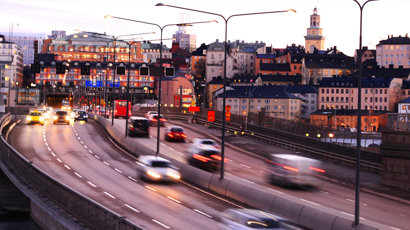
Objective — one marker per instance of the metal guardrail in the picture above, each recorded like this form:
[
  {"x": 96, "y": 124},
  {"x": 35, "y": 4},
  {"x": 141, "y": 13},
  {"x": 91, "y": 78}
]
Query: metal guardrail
[
  {"x": 87, "y": 211},
  {"x": 369, "y": 161}
]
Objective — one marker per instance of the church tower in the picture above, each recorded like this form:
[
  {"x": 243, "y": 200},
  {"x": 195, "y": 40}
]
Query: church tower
[{"x": 314, "y": 38}]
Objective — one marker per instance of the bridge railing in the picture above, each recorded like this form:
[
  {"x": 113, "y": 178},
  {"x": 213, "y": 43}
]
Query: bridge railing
[{"x": 36, "y": 181}]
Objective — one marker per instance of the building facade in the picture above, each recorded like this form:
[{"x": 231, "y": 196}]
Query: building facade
[
  {"x": 185, "y": 40},
  {"x": 151, "y": 52},
  {"x": 394, "y": 51},
  {"x": 314, "y": 39}
]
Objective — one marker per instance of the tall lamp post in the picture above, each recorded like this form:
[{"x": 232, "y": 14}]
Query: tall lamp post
[
  {"x": 359, "y": 123},
  {"x": 225, "y": 61},
  {"x": 161, "y": 28}
]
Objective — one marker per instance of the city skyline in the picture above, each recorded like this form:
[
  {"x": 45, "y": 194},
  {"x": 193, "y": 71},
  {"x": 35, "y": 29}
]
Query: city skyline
[{"x": 339, "y": 20}]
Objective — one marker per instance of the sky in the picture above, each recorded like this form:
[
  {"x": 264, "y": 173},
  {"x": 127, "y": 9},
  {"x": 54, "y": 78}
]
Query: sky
[{"x": 339, "y": 19}]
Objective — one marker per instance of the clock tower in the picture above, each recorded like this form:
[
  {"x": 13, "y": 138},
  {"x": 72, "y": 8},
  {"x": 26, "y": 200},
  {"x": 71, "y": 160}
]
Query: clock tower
[{"x": 314, "y": 38}]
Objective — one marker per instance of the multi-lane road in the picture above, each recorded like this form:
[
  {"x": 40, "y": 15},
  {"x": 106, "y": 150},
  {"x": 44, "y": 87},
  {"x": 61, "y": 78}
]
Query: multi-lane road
[{"x": 81, "y": 156}]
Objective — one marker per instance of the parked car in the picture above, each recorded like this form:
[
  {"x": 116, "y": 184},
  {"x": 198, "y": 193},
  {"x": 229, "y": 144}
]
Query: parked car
[
  {"x": 35, "y": 117},
  {"x": 138, "y": 126},
  {"x": 81, "y": 115},
  {"x": 153, "y": 120},
  {"x": 154, "y": 168},
  {"x": 207, "y": 159},
  {"x": 175, "y": 133},
  {"x": 61, "y": 116},
  {"x": 244, "y": 219}
]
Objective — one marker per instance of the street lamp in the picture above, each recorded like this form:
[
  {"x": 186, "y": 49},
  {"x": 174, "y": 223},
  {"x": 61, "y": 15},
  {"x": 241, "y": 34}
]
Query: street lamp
[
  {"x": 359, "y": 117},
  {"x": 160, "y": 61},
  {"x": 225, "y": 61}
]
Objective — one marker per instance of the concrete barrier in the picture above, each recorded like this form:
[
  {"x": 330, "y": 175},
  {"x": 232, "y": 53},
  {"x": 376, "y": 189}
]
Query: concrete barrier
[
  {"x": 217, "y": 185},
  {"x": 316, "y": 219},
  {"x": 261, "y": 199},
  {"x": 287, "y": 209},
  {"x": 238, "y": 192}
]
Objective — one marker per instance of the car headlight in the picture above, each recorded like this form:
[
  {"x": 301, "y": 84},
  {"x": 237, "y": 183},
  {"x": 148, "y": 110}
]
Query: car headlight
[
  {"x": 41, "y": 118},
  {"x": 55, "y": 117},
  {"x": 153, "y": 174},
  {"x": 29, "y": 118},
  {"x": 67, "y": 117},
  {"x": 174, "y": 175}
]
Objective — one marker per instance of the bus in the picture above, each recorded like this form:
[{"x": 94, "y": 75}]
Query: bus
[
  {"x": 120, "y": 108},
  {"x": 289, "y": 169}
]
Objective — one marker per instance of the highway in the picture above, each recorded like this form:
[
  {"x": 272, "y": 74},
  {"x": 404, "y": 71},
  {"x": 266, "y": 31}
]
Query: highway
[{"x": 82, "y": 157}]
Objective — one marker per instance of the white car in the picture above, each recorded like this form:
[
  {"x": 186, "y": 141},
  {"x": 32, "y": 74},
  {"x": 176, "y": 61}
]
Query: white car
[
  {"x": 150, "y": 113},
  {"x": 203, "y": 144},
  {"x": 154, "y": 168}
]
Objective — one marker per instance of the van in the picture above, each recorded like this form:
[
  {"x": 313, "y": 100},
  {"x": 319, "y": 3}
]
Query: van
[{"x": 138, "y": 126}]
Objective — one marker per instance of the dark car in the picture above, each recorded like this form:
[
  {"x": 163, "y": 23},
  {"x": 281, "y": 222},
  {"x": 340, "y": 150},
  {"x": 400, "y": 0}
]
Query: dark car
[
  {"x": 175, "y": 133},
  {"x": 206, "y": 159},
  {"x": 153, "y": 120},
  {"x": 81, "y": 115},
  {"x": 138, "y": 126},
  {"x": 61, "y": 116}
]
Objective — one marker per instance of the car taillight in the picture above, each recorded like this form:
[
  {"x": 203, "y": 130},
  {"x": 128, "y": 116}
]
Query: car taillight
[
  {"x": 201, "y": 158},
  {"x": 286, "y": 167},
  {"x": 163, "y": 119},
  {"x": 317, "y": 169},
  {"x": 153, "y": 119},
  {"x": 219, "y": 158},
  {"x": 183, "y": 135},
  {"x": 170, "y": 135}
]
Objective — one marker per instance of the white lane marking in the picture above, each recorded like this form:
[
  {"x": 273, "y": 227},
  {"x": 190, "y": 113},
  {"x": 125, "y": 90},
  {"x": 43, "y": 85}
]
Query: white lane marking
[
  {"x": 245, "y": 166},
  {"x": 171, "y": 148},
  {"x": 247, "y": 181},
  {"x": 52, "y": 153},
  {"x": 85, "y": 146},
  {"x": 117, "y": 170},
  {"x": 81, "y": 142},
  {"x": 97, "y": 157},
  {"x": 76, "y": 134},
  {"x": 403, "y": 215},
  {"x": 49, "y": 149},
  {"x": 163, "y": 225},
  {"x": 90, "y": 151},
  {"x": 163, "y": 144},
  {"x": 46, "y": 144},
  {"x": 350, "y": 200},
  {"x": 129, "y": 177},
  {"x": 395, "y": 228},
  {"x": 132, "y": 208},
  {"x": 310, "y": 202},
  {"x": 323, "y": 192},
  {"x": 263, "y": 172},
  {"x": 152, "y": 189},
  {"x": 89, "y": 182},
  {"x": 106, "y": 163},
  {"x": 174, "y": 199},
  {"x": 196, "y": 210},
  {"x": 78, "y": 138},
  {"x": 275, "y": 190},
  {"x": 347, "y": 213},
  {"x": 67, "y": 167},
  {"x": 58, "y": 159},
  {"x": 77, "y": 174},
  {"x": 228, "y": 174},
  {"x": 106, "y": 193}
]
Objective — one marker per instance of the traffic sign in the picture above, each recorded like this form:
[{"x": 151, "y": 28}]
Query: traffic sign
[
  {"x": 227, "y": 108},
  {"x": 193, "y": 108},
  {"x": 211, "y": 116}
]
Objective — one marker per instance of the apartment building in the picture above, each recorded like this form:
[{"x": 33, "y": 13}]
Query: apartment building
[{"x": 394, "y": 51}]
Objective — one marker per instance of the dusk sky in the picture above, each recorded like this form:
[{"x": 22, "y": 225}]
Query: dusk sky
[{"x": 339, "y": 19}]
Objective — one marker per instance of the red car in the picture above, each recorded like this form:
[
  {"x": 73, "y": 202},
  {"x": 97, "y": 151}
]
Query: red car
[{"x": 175, "y": 133}]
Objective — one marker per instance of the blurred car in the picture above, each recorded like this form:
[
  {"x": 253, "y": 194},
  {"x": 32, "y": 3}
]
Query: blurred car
[
  {"x": 102, "y": 112},
  {"x": 154, "y": 168},
  {"x": 138, "y": 126},
  {"x": 203, "y": 143},
  {"x": 243, "y": 219},
  {"x": 289, "y": 169},
  {"x": 61, "y": 116},
  {"x": 150, "y": 113},
  {"x": 207, "y": 159},
  {"x": 153, "y": 120},
  {"x": 80, "y": 115},
  {"x": 175, "y": 133},
  {"x": 35, "y": 117}
]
